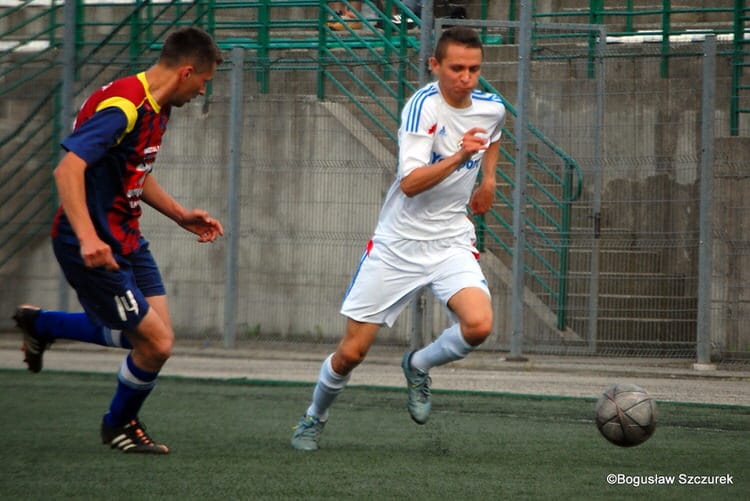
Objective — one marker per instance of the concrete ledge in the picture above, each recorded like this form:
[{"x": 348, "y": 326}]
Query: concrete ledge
[
  {"x": 665, "y": 380},
  {"x": 704, "y": 367}
]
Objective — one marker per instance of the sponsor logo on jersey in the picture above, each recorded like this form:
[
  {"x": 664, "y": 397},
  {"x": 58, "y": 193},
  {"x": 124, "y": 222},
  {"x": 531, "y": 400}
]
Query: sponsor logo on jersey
[{"x": 468, "y": 165}]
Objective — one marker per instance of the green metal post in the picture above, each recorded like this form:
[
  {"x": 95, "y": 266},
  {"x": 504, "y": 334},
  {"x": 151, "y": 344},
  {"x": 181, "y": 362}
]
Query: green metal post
[
  {"x": 149, "y": 31},
  {"x": 135, "y": 37},
  {"x": 629, "y": 17},
  {"x": 595, "y": 11},
  {"x": 207, "y": 14},
  {"x": 322, "y": 17},
  {"x": 51, "y": 25},
  {"x": 483, "y": 16},
  {"x": 207, "y": 17},
  {"x": 387, "y": 32},
  {"x": 200, "y": 11},
  {"x": 595, "y": 17},
  {"x": 481, "y": 225},
  {"x": 264, "y": 19},
  {"x": 211, "y": 17},
  {"x": 80, "y": 34},
  {"x": 665, "y": 31},
  {"x": 738, "y": 57}
]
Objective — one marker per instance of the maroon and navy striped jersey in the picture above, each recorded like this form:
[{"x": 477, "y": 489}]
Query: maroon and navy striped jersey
[{"x": 117, "y": 132}]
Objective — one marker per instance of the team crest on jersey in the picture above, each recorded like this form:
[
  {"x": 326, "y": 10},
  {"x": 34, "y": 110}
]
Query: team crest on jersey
[{"x": 432, "y": 129}]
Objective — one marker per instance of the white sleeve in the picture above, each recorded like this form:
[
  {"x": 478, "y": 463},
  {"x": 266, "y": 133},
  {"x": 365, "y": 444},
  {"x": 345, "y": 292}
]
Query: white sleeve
[
  {"x": 415, "y": 141},
  {"x": 415, "y": 150},
  {"x": 495, "y": 136}
]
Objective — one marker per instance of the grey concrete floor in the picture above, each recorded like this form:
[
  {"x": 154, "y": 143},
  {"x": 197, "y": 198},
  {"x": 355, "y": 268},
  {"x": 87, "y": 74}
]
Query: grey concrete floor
[{"x": 666, "y": 379}]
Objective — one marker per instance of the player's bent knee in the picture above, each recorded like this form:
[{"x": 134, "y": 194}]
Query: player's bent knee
[
  {"x": 348, "y": 358},
  {"x": 159, "y": 351},
  {"x": 477, "y": 331}
]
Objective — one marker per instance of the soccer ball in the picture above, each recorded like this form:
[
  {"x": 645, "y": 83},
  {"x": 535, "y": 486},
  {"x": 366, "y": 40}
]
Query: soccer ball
[{"x": 626, "y": 415}]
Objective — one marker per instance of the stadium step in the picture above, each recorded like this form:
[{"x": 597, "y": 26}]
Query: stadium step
[
  {"x": 629, "y": 306},
  {"x": 641, "y": 330}
]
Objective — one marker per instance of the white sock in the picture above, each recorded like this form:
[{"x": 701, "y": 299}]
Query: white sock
[
  {"x": 326, "y": 390},
  {"x": 448, "y": 347},
  {"x": 115, "y": 338}
]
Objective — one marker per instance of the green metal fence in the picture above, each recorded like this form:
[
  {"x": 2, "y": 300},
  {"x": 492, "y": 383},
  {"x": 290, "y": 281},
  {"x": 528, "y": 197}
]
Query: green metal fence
[
  {"x": 374, "y": 69},
  {"x": 553, "y": 209},
  {"x": 28, "y": 146},
  {"x": 667, "y": 22}
]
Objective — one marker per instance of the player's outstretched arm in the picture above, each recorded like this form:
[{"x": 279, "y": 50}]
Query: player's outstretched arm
[
  {"x": 199, "y": 222},
  {"x": 196, "y": 221}
]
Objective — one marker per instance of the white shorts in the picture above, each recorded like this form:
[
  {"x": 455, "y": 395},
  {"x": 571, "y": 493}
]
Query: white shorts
[{"x": 391, "y": 273}]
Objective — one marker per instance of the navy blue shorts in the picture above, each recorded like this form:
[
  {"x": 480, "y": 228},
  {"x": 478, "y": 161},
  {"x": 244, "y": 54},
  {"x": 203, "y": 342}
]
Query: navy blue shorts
[{"x": 114, "y": 299}]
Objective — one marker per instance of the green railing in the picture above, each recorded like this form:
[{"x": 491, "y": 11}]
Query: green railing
[
  {"x": 554, "y": 211},
  {"x": 27, "y": 53},
  {"x": 728, "y": 18}
]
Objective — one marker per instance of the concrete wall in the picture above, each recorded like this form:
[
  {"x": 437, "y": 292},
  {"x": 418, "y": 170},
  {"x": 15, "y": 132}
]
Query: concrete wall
[
  {"x": 730, "y": 305},
  {"x": 312, "y": 182}
]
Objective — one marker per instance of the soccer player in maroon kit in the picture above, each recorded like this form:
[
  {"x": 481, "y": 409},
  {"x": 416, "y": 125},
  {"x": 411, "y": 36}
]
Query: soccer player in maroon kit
[{"x": 101, "y": 180}]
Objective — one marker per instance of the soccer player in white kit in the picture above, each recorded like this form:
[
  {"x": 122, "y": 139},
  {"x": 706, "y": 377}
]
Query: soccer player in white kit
[{"x": 424, "y": 237}]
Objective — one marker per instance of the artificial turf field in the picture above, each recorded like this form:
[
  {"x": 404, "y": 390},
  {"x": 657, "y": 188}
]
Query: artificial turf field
[{"x": 230, "y": 440}]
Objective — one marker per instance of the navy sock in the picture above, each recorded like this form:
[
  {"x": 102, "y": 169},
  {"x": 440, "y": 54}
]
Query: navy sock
[
  {"x": 133, "y": 386},
  {"x": 78, "y": 327}
]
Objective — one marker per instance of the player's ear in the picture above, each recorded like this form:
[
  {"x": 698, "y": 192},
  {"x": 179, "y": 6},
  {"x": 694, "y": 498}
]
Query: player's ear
[
  {"x": 186, "y": 72},
  {"x": 434, "y": 64}
]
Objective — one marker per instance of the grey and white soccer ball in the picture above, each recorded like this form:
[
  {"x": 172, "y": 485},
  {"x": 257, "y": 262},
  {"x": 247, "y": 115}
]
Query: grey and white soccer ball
[{"x": 626, "y": 415}]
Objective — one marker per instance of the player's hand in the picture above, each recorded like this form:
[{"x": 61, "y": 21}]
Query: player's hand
[
  {"x": 96, "y": 253},
  {"x": 482, "y": 199},
  {"x": 207, "y": 228},
  {"x": 473, "y": 141}
]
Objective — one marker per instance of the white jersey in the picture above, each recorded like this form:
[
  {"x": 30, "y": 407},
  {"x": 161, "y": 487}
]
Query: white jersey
[{"x": 430, "y": 131}]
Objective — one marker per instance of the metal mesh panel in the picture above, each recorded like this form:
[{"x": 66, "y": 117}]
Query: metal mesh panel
[
  {"x": 647, "y": 243},
  {"x": 730, "y": 298},
  {"x": 642, "y": 297}
]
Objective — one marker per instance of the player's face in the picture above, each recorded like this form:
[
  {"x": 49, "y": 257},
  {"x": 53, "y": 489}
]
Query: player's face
[
  {"x": 458, "y": 73},
  {"x": 192, "y": 84}
]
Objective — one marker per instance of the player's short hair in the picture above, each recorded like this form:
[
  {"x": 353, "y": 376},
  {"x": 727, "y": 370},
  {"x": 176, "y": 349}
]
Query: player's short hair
[
  {"x": 460, "y": 35},
  {"x": 193, "y": 45}
]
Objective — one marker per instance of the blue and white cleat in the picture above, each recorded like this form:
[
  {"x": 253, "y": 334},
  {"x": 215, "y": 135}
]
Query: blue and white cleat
[
  {"x": 418, "y": 384},
  {"x": 306, "y": 434}
]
